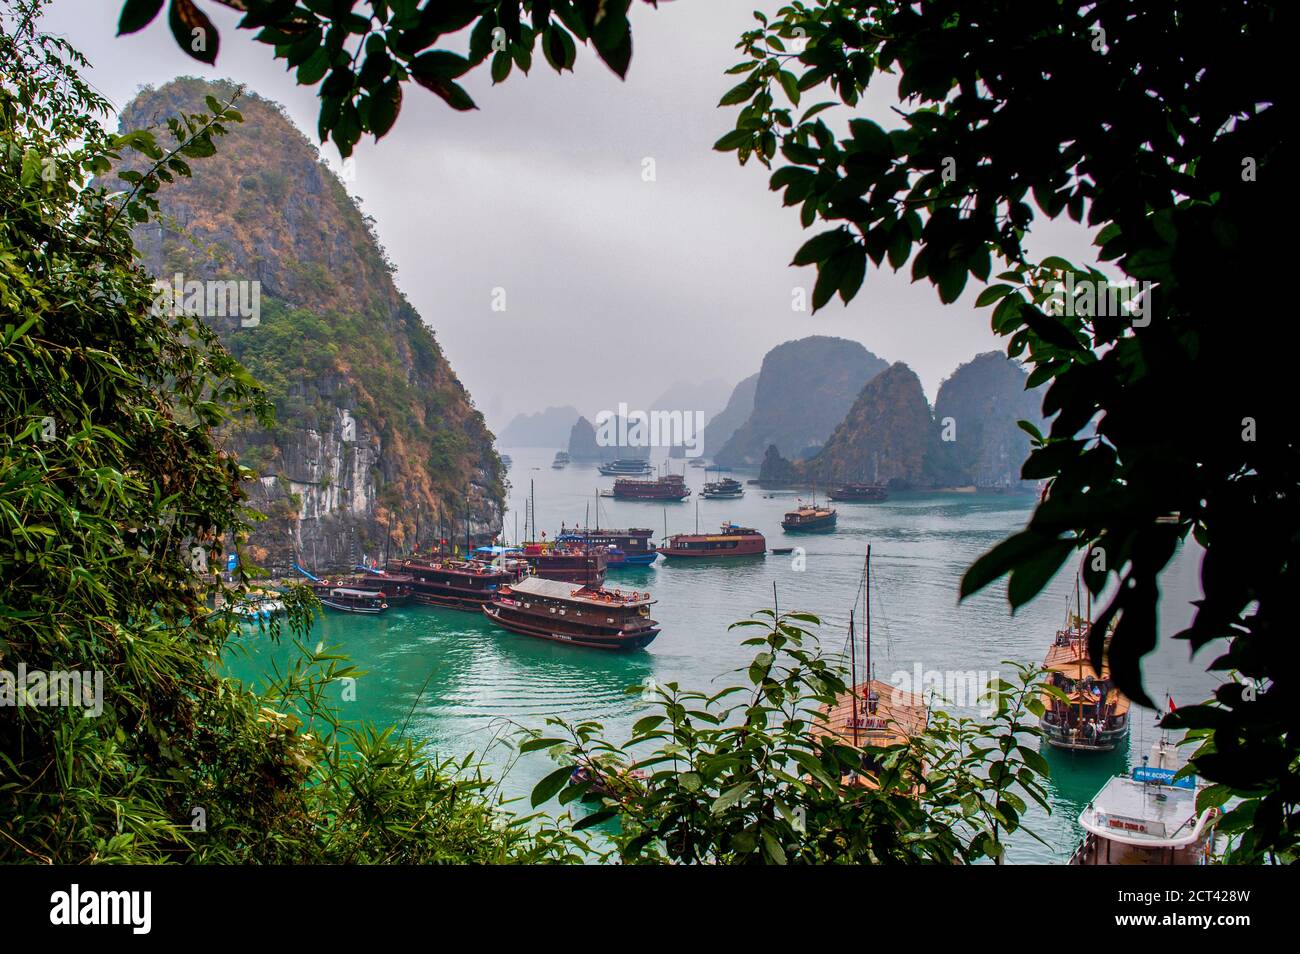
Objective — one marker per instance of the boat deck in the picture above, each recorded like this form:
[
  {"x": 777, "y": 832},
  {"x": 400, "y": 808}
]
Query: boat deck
[{"x": 898, "y": 716}]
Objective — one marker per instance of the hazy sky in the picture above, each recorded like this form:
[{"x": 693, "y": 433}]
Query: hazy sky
[{"x": 615, "y": 287}]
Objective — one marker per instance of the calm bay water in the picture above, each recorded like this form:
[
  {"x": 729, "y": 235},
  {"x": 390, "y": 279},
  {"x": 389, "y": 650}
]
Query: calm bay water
[{"x": 458, "y": 683}]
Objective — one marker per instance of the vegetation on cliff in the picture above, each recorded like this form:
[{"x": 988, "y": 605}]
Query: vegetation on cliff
[
  {"x": 888, "y": 436},
  {"x": 336, "y": 344}
]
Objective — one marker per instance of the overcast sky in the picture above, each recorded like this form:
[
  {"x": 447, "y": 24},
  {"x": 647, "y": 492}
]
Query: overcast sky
[{"x": 615, "y": 287}]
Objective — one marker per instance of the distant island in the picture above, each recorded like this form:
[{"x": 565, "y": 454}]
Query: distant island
[{"x": 548, "y": 428}]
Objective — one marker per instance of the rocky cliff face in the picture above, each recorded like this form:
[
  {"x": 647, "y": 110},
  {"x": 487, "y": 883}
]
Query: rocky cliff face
[
  {"x": 888, "y": 436},
  {"x": 804, "y": 389},
  {"x": 978, "y": 407},
  {"x": 374, "y": 434}
]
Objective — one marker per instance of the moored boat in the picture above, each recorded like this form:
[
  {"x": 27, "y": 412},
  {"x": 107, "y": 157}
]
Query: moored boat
[
  {"x": 809, "y": 517},
  {"x": 580, "y": 616},
  {"x": 872, "y": 713},
  {"x": 453, "y": 584},
  {"x": 727, "y": 488},
  {"x": 566, "y": 562},
  {"x": 630, "y": 547},
  {"x": 667, "y": 487},
  {"x": 859, "y": 493},
  {"x": 1096, "y": 716},
  {"x": 1148, "y": 817},
  {"x": 561, "y": 460},
  {"x": 346, "y": 599},
  {"x": 258, "y": 606},
  {"x": 626, "y": 466},
  {"x": 731, "y": 541}
]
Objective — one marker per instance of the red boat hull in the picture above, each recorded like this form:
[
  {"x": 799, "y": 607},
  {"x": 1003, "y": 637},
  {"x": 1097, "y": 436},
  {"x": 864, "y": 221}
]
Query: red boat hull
[{"x": 526, "y": 624}]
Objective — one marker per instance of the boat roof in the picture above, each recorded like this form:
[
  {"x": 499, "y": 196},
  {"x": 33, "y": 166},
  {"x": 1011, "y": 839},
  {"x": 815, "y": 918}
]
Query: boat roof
[
  {"x": 1154, "y": 814},
  {"x": 729, "y": 532},
  {"x": 559, "y": 590},
  {"x": 350, "y": 591},
  {"x": 1071, "y": 661},
  {"x": 497, "y": 551},
  {"x": 899, "y": 715}
]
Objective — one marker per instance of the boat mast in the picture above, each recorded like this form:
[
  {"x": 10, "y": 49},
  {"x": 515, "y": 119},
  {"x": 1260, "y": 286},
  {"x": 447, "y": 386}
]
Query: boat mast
[
  {"x": 853, "y": 676},
  {"x": 866, "y": 624}
]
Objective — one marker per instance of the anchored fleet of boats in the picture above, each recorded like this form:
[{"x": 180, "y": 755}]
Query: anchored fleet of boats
[{"x": 557, "y": 590}]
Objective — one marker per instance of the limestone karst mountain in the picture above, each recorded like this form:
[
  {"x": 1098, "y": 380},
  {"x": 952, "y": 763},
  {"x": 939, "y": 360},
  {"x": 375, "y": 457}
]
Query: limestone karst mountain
[
  {"x": 548, "y": 428},
  {"x": 374, "y": 433},
  {"x": 978, "y": 406},
  {"x": 804, "y": 389},
  {"x": 736, "y": 412}
]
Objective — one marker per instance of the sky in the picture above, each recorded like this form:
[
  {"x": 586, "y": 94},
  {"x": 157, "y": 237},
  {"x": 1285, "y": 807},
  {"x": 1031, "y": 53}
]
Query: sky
[{"x": 615, "y": 287}]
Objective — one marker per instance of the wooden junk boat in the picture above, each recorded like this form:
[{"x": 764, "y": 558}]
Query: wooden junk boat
[
  {"x": 732, "y": 541},
  {"x": 630, "y": 547},
  {"x": 872, "y": 713},
  {"x": 667, "y": 487},
  {"x": 453, "y": 584},
  {"x": 564, "y": 561},
  {"x": 347, "y": 599},
  {"x": 1096, "y": 719},
  {"x": 580, "y": 616},
  {"x": 1147, "y": 818},
  {"x": 808, "y": 518},
  {"x": 859, "y": 493}
]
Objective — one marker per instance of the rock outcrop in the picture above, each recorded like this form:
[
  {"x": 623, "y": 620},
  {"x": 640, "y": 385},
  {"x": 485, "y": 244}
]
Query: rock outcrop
[
  {"x": 374, "y": 433},
  {"x": 977, "y": 409},
  {"x": 804, "y": 389}
]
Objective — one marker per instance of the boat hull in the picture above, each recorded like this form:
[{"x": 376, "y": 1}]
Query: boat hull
[
  {"x": 568, "y": 631},
  {"x": 345, "y": 608},
  {"x": 1073, "y": 741},
  {"x": 820, "y": 525}
]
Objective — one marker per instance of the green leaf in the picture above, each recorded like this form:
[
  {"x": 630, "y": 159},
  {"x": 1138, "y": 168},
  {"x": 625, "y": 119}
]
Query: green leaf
[
  {"x": 501, "y": 64},
  {"x": 991, "y": 294},
  {"x": 730, "y": 797},
  {"x": 740, "y": 94},
  {"x": 137, "y": 14},
  {"x": 647, "y": 724},
  {"x": 193, "y": 31},
  {"x": 1003, "y": 558},
  {"x": 789, "y": 83},
  {"x": 550, "y": 786},
  {"x": 821, "y": 247},
  {"x": 532, "y": 745}
]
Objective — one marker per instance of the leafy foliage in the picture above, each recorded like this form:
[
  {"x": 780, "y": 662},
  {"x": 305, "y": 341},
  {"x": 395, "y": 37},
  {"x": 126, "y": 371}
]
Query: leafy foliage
[
  {"x": 1158, "y": 128},
  {"x": 748, "y": 775},
  {"x": 362, "y": 60},
  {"x": 113, "y": 496}
]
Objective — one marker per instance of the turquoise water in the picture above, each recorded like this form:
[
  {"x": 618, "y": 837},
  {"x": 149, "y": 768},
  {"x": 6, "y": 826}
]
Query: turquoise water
[{"x": 457, "y": 683}]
